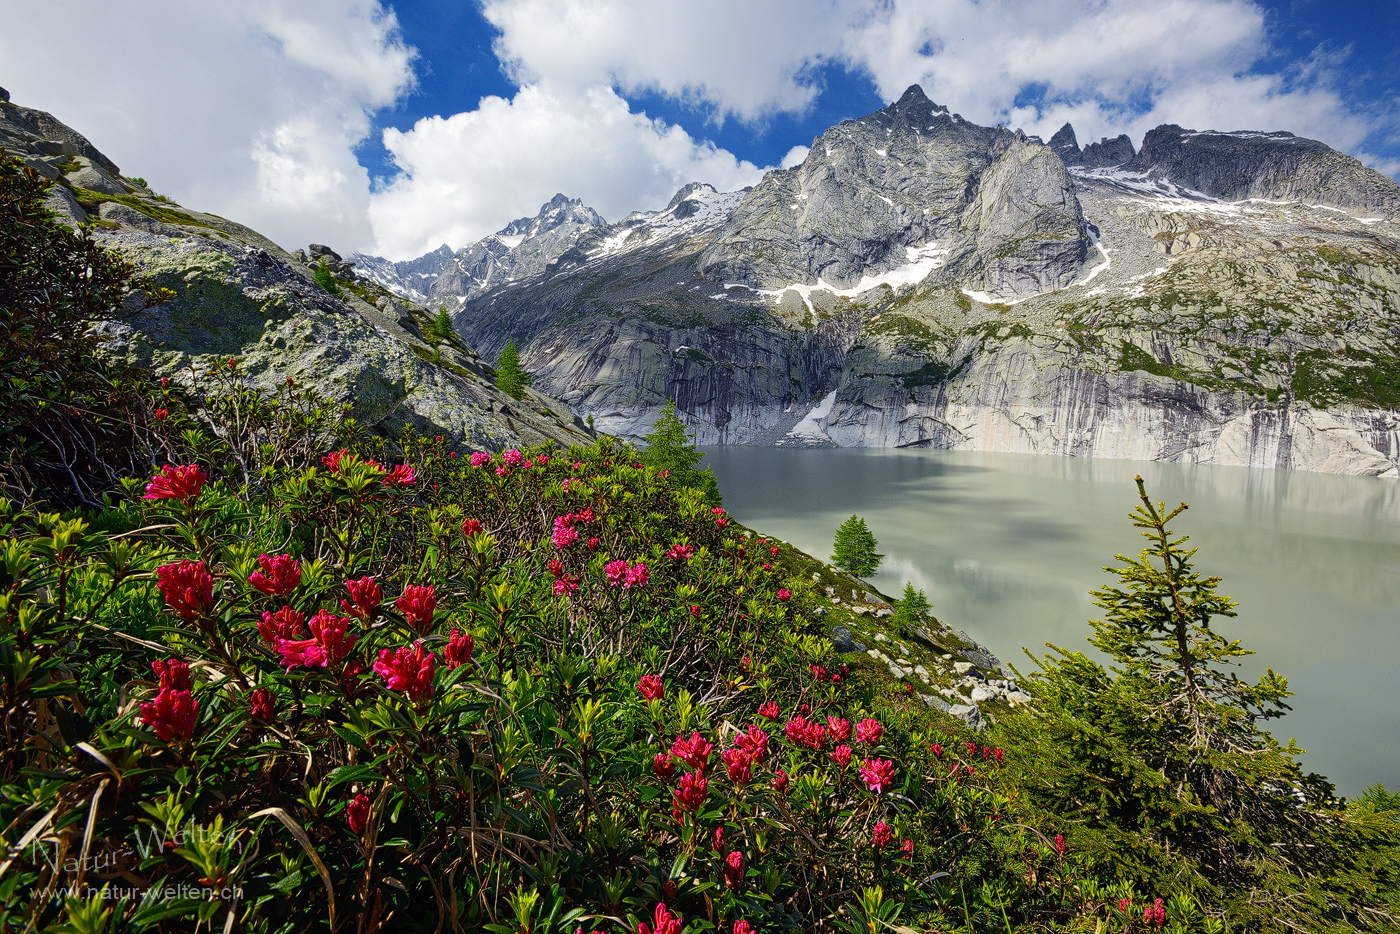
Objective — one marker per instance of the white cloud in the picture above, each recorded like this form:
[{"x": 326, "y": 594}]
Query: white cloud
[
  {"x": 794, "y": 156},
  {"x": 465, "y": 176},
  {"x": 247, "y": 108}
]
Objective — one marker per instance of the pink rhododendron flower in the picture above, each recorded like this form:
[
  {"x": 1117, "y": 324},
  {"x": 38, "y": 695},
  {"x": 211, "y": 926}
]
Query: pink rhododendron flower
[
  {"x": 768, "y": 710},
  {"x": 500, "y": 471},
  {"x": 754, "y": 742},
  {"x": 694, "y": 752},
  {"x": 666, "y": 923},
  {"x": 878, "y": 774},
  {"x": 774, "y": 551},
  {"x": 869, "y": 732},
  {"x": 841, "y": 755},
  {"x": 172, "y": 673},
  {"x": 529, "y": 464},
  {"x": 839, "y": 729},
  {"x": 402, "y": 475},
  {"x": 717, "y": 840},
  {"x": 458, "y": 650},
  {"x": 183, "y": 483},
  {"x": 615, "y": 571},
  {"x": 681, "y": 552},
  {"x": 651, "y": 687},
  {"x": 408, "y": 670},
  {"x": 357, "y": 812},
  {"x": 1060, "y": 844},
  {"x": 161, "y": 415},
  {"x": 819, "y": 672},
  {"x": 743, "y": 927},
  {"x": 907, "y": 848},
  {"x": 263, "y": 705},
  {"x": 278, "y": 577},
  {"x": 479, "y": 458},
  {"x": 286, "y": 623},
  {"x": 734, "y": 865},
  {"x": 693, "y": 790},
  {"x": 637, "y": 576},
  {"x": 565, "y": 585},
  {"x": 512, "y": 458},
  {"x": 882, "y": 836},
  {"x": 328, "y": 644},
  {"x": 188, "y": 588},
  {"x": 780, "y": 782},
  {"x": 564, "y": 532},
  {"x": 366, "y": 598},
  {"x": 171, "y": 714},
  {"x": 1155, "y": 914},
  {"x": 937, "y": 751},
  {"x": 593, "y": 544},
  {"x": 417, "y": 605},
  {"x": 542, "y": 459},
  {"x": 784, "y": 594},
  {"x": 799, "y": 731},
  {"x": 332, "y": 460},
  {"x": 717, "y": 510},
  {"x": 694, "y": 610},
  {"x": 738, "y": 764},
  {"x": 663, "y": 765}
]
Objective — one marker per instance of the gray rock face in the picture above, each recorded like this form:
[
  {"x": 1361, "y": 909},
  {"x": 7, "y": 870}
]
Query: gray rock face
[
  {"x": 843, "y": 643},
  {"x": 93, "y": 178},
  {"x": 875, "y": 192},
  {"x": 412, "y": 279},
  {"x": 1275, "y": 166},
  {"x": 522, "y": 248},
  {"x": 23, "y": 129}
]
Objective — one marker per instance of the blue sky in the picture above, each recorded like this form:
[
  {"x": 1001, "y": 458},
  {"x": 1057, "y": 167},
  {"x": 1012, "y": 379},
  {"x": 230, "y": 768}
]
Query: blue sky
[
  {"x": 393, "y": 127},
  {"x": 457, "y": 66}
]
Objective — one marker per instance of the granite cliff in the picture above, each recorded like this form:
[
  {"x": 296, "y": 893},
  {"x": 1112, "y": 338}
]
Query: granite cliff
[{"x": 1222, "y": 297}]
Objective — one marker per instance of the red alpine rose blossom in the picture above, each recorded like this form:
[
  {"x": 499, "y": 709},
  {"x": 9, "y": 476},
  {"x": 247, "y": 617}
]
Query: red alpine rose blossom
[
  {"x": 651, "y": 687},
  {"x": 937, "y": 751},
  {"x": 480, "y": 458},
  {"x": 882, "y": 836},
  {"x": 173, "y": 674},
  {"x": 767, "y": 566},
  {"x": 1155, "y": 914},
  {"x": 878, "y": 774},
  {"x": 841, "y": 755},
  {"x": 717, "y": 510},
  {"x": 738, "y": 765},
  {"x": 694, "y": 610},
  {"x": 694, "y": 752},
  {"x": 512, "y": 458},
  {"x": 666, "y": 923},
  {"x": 183, "y": 483},
  {"x": 780, "y": 782},
  {"x": 1060, "y": 844},
  {"x": 593, "y": 544},
  {"x": 188, "y": 588},
  {"x": 458, "y": 650},
  {"x": 774, "y": 551},
  {"x": 839, "y": 729},
  {"x": 768, "y": 710},
  {"x": 743, "y": 927},
  {"x": 999, "y": 756},
  {"x": 819, "y": 672},
  {"x": 407, "y": 669},
  {"x": 366, "y": 598},
  {"x": 784, "y": 594},
  {"x": 869, "y": 731},
  {"x": 286, "y": 623},
  {"x": 972, "y": 750},
  {"x": 615, "y": 571},
  {"x": 564, "y": 533},
  {"x": 734, "y": 866},
  {"x": 717, "y": 839},
  {"x": 332, "y": 460},
  {"x": 754, "y": 742},
  {"x": 803, "y": 733},
  {"x": 162, "y": 414},
  {"x": 681, "y": 552},
  {"x": 637, "y": 576},
  {"x": 328, "y": 644},
  {"x": 357, "y": 812},
  {"x": 263, "y": 704},
  {"x": 566, "y": 585},
  {"x": 471, "y": 527},
  {"x": 401, "y": 475},
  {"x": 280, "y": 575},
  {"x": 907, "y": 848},
  {"x": 417, "y": 605},
  {"x": 664, "y": 766},
  {"x": 694, "y": 789},
  {"x": 171, "y": 714}
]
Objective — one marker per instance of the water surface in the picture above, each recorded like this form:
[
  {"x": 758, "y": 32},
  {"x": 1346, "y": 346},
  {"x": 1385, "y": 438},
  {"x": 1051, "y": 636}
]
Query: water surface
[{"x": 1008, "y": 546}]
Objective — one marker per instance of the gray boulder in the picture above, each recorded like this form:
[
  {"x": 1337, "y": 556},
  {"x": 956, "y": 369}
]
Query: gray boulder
[
  {"x": 61, "y": 201},
  {"x": 842, "y": 641},
  {"x": 969, "y": 714},
  {"x": 90, "y": 176}
]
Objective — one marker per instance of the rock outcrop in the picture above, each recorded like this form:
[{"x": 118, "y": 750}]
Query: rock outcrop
[{"x": 239, "y": 294}]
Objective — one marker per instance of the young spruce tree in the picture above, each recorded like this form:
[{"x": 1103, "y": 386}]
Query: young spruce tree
[
  {"x": 510, "y": 376},
  {"x": 670, "y": 447},
  {"x": 855, "y": 548},
  {"x": 1160, "y": 758}
]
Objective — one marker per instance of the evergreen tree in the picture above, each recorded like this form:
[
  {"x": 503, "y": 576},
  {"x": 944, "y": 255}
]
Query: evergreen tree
[
  {"x": 325, "y": 279},
  {"x": 510, "y": 376},
  {"x": 909, "y": 608},
  {"x": 440, "y": 329},
  {"x": 1161, "y": 756},
  {"x": 670, "y": 447},
  {"x": 855, "y": 548}
]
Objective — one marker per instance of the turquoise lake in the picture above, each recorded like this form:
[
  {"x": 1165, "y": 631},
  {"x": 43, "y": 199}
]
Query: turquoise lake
[{"x": 1008, "y": 546}]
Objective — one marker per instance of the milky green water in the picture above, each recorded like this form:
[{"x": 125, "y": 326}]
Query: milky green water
[{"x": 1007, "y": 547}]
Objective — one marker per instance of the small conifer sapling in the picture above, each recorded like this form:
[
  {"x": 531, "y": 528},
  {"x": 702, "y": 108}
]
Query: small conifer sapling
[
  {"x": 510, "y": 375},
  {"x": 855, "y": 548}
]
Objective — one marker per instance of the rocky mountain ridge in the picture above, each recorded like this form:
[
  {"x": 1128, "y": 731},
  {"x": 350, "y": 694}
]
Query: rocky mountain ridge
[
  {"x": 239, "y": 294},
  {"x": 1227, "y": 298}
]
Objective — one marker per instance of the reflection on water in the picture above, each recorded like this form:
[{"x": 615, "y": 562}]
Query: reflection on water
[{"x": 1007, "y": 546}]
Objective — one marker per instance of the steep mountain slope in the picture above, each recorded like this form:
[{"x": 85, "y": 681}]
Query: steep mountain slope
[
  {"x": 923, "y": 281},
  {"x": 411, "y": 279},
  {"x": 239, "y": 294}
]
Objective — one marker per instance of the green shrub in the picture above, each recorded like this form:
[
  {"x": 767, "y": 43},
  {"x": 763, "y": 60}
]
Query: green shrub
[{"x": 326, "y": 279}]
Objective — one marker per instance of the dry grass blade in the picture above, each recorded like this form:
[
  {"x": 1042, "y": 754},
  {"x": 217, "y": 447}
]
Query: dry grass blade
[
  {"x": 87, "y": 831},
  {"x": 29, "y": 837},
  {"x": 111, "y": 766},
  {"x": 305, "y": 842}
]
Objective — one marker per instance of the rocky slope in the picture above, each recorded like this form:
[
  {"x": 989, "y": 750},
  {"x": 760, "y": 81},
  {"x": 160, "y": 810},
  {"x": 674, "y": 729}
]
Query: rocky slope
[
  {"x": 1227, "y": 298},
  {"x": 239, "y": 294}
]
